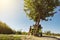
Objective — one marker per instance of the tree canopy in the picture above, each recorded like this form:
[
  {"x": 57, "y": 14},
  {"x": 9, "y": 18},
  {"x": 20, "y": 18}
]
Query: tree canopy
[
  {"x": 40, "y": 9},
  {"x": 5, "y": 29}
]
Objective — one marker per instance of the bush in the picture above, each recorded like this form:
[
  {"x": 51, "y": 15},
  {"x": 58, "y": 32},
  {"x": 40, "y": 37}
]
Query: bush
[
  {"x": 48, "y": 33},
  {"x": 24, "y": 33},
  {"x": 18, "y": 32}
]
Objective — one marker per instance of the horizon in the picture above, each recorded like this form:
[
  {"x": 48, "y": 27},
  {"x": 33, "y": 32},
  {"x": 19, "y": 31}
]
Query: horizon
[{"x": 12, "y": 13}]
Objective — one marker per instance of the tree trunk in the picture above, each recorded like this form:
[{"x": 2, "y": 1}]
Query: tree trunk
[
  {"x": 37, "y": 29},
  {"x": 37, "y": 22}
]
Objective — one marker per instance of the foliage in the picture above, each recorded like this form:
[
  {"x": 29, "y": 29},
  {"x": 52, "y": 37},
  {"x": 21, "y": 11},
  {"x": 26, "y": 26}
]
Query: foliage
[
  {"x": 5, "y": 29},
  {"x": 56, "y": 34},
  {"x": 40, "y": 9},
  {"x": 48, "y": 33},
  {"x": 21, "y": 33},
  {"x": 18, "y": 32},
  {"x": 24, "y": 33}
]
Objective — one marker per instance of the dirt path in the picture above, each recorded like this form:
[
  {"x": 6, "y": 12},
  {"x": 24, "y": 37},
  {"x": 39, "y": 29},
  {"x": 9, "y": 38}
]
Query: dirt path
[{"x": 38, "y": 38}]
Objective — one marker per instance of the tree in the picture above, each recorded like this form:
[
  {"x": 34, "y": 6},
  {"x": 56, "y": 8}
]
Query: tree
[
  {"x": 5, "y": 29},
  {"x": 38, "y": 10},
  {"x": 18, "y": 32},
  {"x": 48, "y": 33}
]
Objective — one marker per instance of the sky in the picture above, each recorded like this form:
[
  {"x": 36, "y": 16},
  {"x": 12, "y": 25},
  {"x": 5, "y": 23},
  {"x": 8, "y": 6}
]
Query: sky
[{"x": 12, "y": 13}]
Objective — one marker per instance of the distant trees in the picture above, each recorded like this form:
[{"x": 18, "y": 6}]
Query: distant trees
[
  {"x": 18, "y": 32},
  {"x": 24, "y": 33},
  {"x": 21, "y": 33},
  {"x": 5, "y": 29},
  {"x": 48, "y": 33}
]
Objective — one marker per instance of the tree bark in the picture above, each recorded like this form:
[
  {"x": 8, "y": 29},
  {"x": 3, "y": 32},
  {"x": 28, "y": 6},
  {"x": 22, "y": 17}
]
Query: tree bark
[
  {"x": 37, "y": 28},
  {"x": 38, "y": 21}
]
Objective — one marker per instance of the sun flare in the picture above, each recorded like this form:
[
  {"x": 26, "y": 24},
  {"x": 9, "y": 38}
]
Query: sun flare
[{"x": 6, "y": 8}]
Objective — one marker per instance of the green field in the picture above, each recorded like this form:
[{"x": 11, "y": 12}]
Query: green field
[
  {"x": 9, "y": 37},
  {"x": 27, "y": 37}
]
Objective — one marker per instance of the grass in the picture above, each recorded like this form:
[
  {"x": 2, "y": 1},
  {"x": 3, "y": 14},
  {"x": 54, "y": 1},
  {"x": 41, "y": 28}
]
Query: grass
[
  {"x": 19, "y": 37},
  {"x": 9, "y": 37}
]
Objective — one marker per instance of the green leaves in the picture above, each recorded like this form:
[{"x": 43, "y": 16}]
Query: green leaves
[
  {"x": 40, "y": 9},
  {"x": 5, "y": 29}
]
